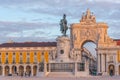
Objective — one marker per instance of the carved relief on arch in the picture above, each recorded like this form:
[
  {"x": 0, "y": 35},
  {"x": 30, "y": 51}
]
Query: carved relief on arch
[
  {"x": 76, "y": 35},
  {"x": 88, "y": 34},
  {"x": 82, "y": 33}
]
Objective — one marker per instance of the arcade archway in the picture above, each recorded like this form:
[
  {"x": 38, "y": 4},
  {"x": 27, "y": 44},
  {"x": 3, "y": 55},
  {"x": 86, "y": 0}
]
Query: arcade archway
[
  {"x": 111, "y": 70},
  {"x": 28, "y": 70},
  {"x": 7, "y": 69},
  {"x": 34, "y": 70},
  {"x": 14, "y": 69},
  {"x": 1, "y": 70},
  {"x": 21, "y": 70}
]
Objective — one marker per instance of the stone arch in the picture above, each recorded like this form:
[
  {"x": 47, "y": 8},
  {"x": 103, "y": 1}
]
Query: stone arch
[
  {"x": 28, "y": 70},
  {"x": 91, "y": 57},
  {"x": 1, "y": 70},
  {"x": 84, "y": 42},
  {"x": 14, "y": 69},
  {"x": 111, "y": 69},
  {"x": 21, "y": 70},
  {"x": 94, "y": 31},
  {"x": 87, "y": 40},
  {"x": 34, "y": 70},
  {"x": 7, "y": 70}
]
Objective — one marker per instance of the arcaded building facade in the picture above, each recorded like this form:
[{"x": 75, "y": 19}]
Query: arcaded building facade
[
  {"x": 21, "y": 58},
  {"x": 66, "y": 56}
]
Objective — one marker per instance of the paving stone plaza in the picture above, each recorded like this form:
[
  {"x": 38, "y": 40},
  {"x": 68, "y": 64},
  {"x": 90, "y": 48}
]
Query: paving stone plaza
[{"x": 62, "y": 78}]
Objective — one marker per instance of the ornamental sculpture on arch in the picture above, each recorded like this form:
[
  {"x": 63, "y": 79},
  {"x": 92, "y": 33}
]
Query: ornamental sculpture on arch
[{"x": 88, "y": 18}]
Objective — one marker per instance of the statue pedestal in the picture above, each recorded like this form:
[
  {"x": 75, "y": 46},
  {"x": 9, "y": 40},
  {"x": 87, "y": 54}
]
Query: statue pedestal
[{"x": 63, "y": 49}]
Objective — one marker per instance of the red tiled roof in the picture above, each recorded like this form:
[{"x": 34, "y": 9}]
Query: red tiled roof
[
  {"x": 118, "y": 41},
  {"x": 29, "y": 44}
]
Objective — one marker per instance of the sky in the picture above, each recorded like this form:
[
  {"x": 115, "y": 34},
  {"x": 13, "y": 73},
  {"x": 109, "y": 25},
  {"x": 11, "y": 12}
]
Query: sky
[{"x": 38, "y": 20}]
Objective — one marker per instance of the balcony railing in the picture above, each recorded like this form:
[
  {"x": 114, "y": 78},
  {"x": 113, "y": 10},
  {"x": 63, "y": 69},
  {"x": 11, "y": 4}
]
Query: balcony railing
[
  {"x": 6, "y": 62},
  {"x": 13, "y": 62},
  {"x": 21, "y": 62},
  {"x": 27, "y": 62},
  {"x": 34, "y": 62}
]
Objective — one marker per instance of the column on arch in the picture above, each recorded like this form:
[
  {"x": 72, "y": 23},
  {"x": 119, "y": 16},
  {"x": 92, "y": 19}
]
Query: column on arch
[
  {"x": 103, "y": 62},
  {"x": 98, "y": 63}
]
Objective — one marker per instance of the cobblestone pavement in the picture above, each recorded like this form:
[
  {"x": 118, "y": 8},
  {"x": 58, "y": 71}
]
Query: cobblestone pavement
[{"x": 62, "y": 78}]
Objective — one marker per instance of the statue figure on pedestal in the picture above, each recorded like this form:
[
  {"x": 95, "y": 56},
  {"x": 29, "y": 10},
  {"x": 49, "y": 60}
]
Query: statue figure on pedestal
[
  {"x": 63, "y": 25},
  {"x": 73, "y": 55}
]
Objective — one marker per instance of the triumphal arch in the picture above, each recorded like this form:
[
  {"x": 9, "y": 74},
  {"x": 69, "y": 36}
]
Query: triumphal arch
[{"x": 107, "y": 49}]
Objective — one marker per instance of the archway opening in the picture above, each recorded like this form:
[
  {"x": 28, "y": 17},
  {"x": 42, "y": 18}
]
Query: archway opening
[
  {"x": 34, "y": 70},
  {"x": 90, "y": 46},
  {"x": 28, "y": 70},
  {"x": 1, "y": 70},
  {"x": 89, "y": 54},
  {"x": 14, "y": 69},
  {"x": 111, "y": 70},
  {"x": 7, "y": 69},
  {"x": 21, "y": 70}
]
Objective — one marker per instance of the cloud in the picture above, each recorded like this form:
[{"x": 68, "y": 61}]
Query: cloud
[
  {"x": 29, "y": 31},
  {"x": 26, "y": 39},
  {"x": 111, "y": 1},
  {"x": 46, "y": 15},
  {"x": 113, "y": 30}
]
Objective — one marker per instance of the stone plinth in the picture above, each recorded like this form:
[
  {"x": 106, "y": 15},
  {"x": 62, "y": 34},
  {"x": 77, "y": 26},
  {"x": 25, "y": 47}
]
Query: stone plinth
[{"x": 63, "y": 49}]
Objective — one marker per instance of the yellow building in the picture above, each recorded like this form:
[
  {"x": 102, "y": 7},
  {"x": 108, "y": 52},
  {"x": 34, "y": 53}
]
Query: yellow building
[{"x": 24, "y": 58}]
